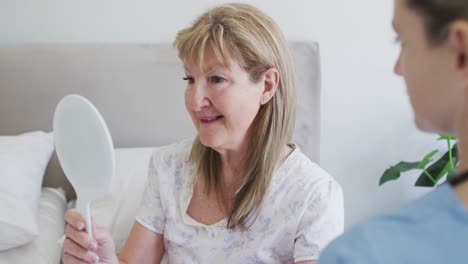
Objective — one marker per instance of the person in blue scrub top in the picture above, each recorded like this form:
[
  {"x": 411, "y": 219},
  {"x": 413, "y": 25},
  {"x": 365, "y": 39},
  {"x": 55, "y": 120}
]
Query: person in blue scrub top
[{"x": 434, "y": 63}]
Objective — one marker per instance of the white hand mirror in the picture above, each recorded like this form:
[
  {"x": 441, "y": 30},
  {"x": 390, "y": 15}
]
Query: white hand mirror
[{"x": 85, "y": 151}]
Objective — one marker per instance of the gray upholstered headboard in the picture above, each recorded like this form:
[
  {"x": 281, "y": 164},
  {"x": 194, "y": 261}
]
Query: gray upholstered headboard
[{"x": 137, "y": 88}]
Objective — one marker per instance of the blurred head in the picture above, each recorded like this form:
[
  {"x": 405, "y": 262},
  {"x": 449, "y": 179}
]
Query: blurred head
[
  {"x": 432, "y": 60},
  {"x": 240, "y": 93}
]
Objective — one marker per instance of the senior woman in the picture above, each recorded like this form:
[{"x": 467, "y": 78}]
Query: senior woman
[{"x": 241, "y": 191}]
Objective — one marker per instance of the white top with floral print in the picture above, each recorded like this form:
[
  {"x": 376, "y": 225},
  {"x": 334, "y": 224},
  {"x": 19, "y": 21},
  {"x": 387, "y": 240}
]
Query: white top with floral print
[{"x": 301, "y": 213}]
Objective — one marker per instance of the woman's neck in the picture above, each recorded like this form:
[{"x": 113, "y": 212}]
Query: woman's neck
[{"x": 232, "y": 163}]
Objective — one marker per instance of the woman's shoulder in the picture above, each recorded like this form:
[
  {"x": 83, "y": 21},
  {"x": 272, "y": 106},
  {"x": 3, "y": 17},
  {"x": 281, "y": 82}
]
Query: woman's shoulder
[
  {"x": 172, "y": 154},
  {"x": 302, "y": 169},
  {"x": 306, "y": 178}
]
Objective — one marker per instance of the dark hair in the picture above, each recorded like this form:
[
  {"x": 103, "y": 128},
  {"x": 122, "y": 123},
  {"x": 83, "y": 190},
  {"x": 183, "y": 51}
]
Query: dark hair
[{"x": 438, "y": 15}]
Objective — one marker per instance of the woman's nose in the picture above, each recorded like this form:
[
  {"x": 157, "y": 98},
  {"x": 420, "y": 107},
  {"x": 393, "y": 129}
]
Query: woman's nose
[{"x": 196, "y": 97}]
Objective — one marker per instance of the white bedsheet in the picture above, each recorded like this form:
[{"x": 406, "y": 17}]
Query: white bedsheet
[{"x": 44, "y": 249}]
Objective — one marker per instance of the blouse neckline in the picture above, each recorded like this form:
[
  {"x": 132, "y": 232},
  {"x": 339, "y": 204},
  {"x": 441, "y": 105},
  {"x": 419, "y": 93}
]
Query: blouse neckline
[{"x": 189, "y": 186}]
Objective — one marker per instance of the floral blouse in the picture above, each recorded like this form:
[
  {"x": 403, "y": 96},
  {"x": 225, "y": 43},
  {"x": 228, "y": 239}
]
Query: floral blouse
[{"x": 301, "y": 213}]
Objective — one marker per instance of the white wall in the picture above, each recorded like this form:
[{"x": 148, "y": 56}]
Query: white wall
[{"x": 367, "y": 122}]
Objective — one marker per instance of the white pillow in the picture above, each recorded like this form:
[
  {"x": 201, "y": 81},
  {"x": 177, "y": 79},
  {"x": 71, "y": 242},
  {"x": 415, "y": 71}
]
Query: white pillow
[
  {"x": 23, "y": 161},
  {"x": 118, "y": 210},
  {"x": 44, "y": 249}
]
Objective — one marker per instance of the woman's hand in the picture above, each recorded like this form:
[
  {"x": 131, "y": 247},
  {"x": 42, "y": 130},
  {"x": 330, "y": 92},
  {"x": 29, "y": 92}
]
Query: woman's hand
[{"x": 78, "y": 247}]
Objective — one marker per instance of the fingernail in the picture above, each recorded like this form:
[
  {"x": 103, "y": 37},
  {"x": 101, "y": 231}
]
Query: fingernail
[
  {"x": 93, "y": 245},
  {"x": 80, "y": 226},
  {"x": 94, "y": 258}
]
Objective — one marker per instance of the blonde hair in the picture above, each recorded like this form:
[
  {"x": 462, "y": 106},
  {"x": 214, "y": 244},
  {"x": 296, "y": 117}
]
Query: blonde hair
[{"x": 244, "y": 34}]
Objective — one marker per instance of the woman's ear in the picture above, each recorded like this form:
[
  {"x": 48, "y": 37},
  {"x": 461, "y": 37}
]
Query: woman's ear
[
  {"x": 458, "y": 37},
  {"x": 271, "y": 79}
]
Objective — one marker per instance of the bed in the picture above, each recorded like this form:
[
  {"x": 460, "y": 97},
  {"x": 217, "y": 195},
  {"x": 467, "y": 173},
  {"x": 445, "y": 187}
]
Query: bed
[{"x": 139, "y": 91}]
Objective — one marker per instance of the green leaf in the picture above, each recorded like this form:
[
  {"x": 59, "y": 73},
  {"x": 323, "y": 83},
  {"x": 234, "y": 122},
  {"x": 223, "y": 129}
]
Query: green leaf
[
  {"x": 453, "y": 171},
  {"x": 428, "y": 158},
  {"x": 437, "y": 168},
  {"x": 446, "y": 137},
  {"x": 455, "y": 155},
  {"x": 446, "y": 169},
  {"x": 451, "y": 174},
  {"x": 394, "y": 172}
]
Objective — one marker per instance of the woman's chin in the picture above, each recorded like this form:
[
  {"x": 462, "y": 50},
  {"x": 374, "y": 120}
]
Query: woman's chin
[{"x": 208, "y": 141}]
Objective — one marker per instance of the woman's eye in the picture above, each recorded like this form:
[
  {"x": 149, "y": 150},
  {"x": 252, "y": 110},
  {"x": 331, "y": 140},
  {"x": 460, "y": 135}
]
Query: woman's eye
[
  {"x": 189, "y": 80},
  {"x": 217, "y": 79}
]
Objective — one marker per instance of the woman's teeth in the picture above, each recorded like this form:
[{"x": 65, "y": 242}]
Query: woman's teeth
[{"x": 211, "y": 118}]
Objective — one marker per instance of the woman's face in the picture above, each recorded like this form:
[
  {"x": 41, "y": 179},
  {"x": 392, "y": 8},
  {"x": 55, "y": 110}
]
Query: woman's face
[
  {"x": 222, "y": 102},
  {"x": 428, "y": 70}
]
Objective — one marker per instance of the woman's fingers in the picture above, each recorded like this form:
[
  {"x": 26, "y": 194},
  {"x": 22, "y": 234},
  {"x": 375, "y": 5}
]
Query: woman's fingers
[
  {"x": 75, "y": 253},
  {"x": 69, "y": 259},
  {"x": 73, "y": 217},
  {"x": 80, "y": 237},
  {"x": 79, "y": 246}
]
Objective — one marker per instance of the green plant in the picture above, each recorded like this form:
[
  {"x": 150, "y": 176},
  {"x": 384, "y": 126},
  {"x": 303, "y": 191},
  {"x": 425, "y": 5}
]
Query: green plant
[{"x": 432, "y": 173}]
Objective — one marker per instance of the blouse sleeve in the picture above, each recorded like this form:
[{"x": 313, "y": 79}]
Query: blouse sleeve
[
  {"x": 322, "y": 221},
  {"x": 151, "y": 213}
]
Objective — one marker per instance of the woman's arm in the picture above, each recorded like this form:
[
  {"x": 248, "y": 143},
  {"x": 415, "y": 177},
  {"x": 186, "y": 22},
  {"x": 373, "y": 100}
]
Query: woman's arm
[{"x": 143, "y": 246}]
